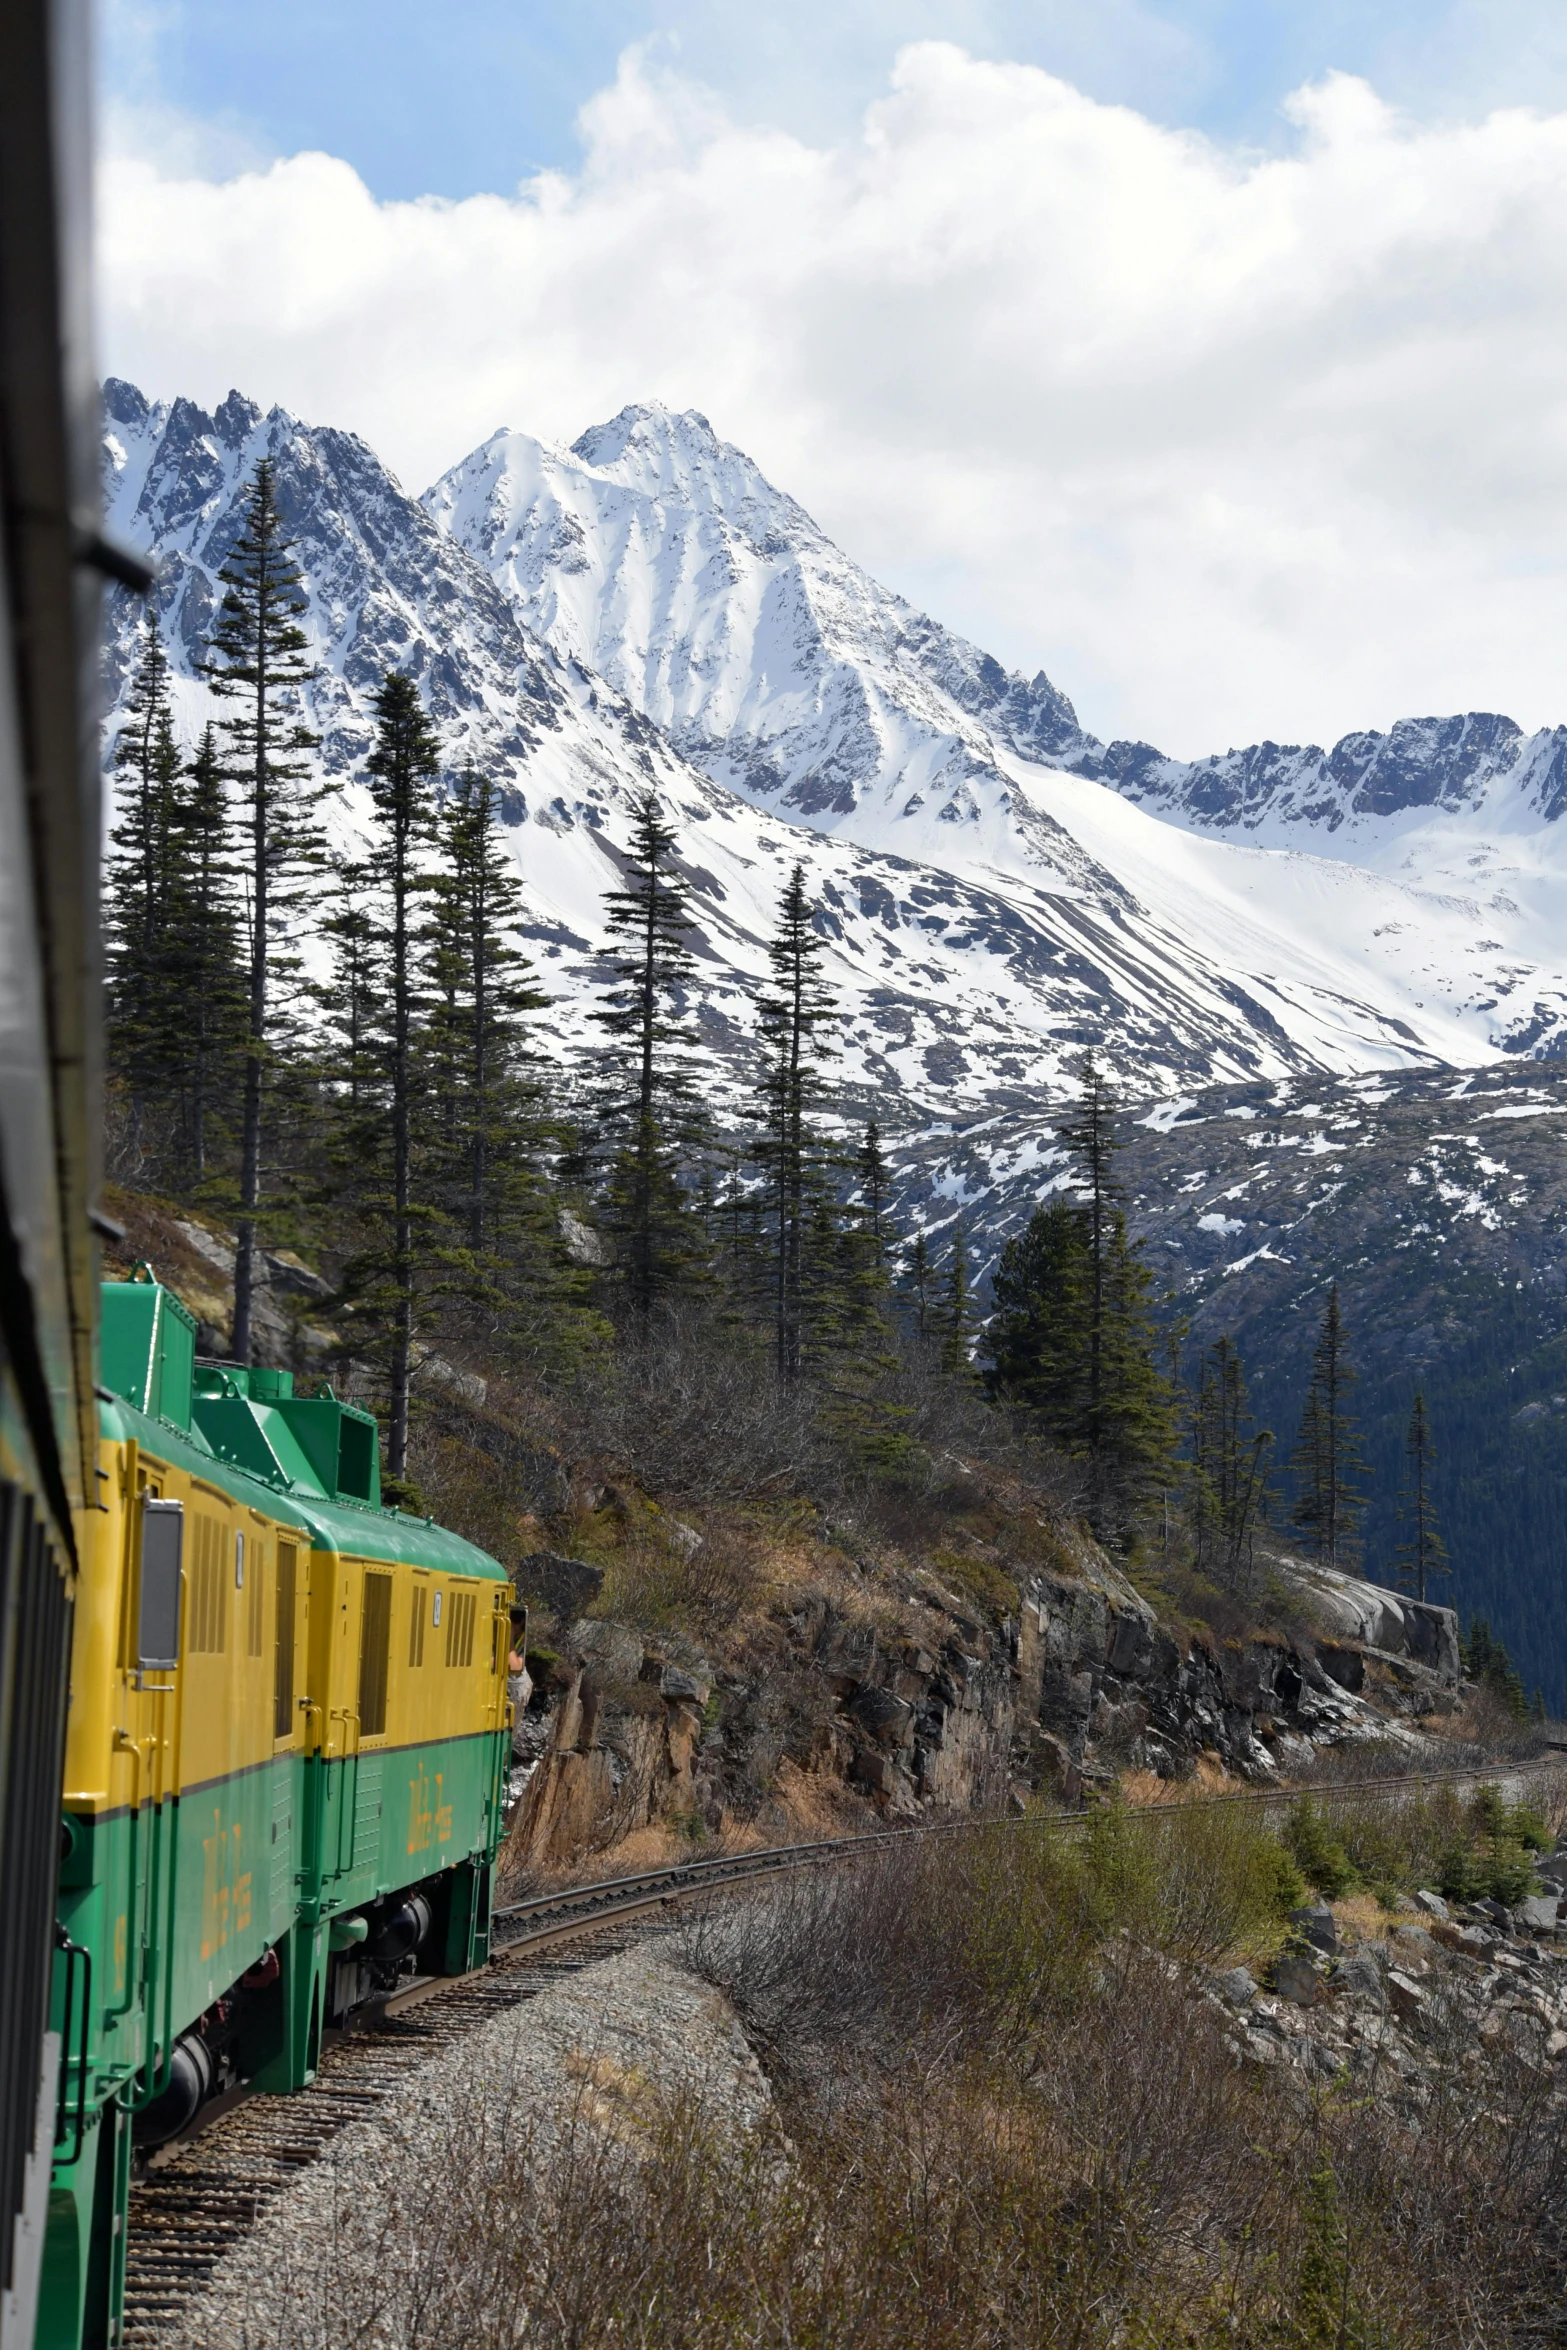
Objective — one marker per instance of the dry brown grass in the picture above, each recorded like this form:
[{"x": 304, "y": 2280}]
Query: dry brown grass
[{"x": 1011, "y": 2126}]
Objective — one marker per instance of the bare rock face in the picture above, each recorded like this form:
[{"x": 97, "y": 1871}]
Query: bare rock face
[
  {"x": 978, "y": 1715},
  {"x": 1367, "y": 1617}
]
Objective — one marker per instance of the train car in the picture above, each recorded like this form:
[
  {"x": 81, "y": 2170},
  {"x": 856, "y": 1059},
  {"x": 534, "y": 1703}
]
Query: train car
[
  {"x": 285, "y": 1762},
  {"x": 51, "y": 556}
]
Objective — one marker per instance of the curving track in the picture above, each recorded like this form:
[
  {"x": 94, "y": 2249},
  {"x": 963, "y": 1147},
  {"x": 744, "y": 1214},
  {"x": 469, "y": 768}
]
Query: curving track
[{"x": 202, "y": 2193}]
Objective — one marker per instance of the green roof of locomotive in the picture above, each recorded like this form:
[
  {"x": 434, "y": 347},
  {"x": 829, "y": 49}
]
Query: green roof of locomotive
[{"x": 313, "y": 1461}]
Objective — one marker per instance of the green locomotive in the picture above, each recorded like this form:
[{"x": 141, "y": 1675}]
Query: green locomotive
[{"x": 285, "y": 1758}]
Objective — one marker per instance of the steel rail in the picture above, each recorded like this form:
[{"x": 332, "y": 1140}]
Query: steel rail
[{"x": 555, "y": 1915}]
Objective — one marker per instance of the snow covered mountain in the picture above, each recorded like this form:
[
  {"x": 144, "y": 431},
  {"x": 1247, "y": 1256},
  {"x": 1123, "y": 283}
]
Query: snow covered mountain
[
  {"x": 1330, "y": 977},
  {"x": 1432, "y": 882},
  {"x": 647, "y": 608}
]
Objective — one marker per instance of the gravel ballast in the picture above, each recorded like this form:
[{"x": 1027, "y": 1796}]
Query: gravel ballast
[{"x": 362, "y": 2248}]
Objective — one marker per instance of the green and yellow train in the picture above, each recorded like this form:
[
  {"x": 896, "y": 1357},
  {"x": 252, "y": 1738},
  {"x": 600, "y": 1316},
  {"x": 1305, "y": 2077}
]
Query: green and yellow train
[{"x": 285, "y": 1755}]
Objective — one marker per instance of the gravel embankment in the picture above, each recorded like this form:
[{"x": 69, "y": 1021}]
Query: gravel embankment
[{"x": 374, "y": 2232}]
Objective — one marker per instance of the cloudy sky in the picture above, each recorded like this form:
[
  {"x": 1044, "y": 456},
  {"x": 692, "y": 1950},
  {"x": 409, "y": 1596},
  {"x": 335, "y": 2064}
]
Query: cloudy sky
[{"x": 1208, "y": 355}]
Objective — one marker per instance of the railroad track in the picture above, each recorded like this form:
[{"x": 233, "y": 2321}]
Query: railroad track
[
  {"x": 202, "y": 2194},
  {"x": 562, "y": 1913}
]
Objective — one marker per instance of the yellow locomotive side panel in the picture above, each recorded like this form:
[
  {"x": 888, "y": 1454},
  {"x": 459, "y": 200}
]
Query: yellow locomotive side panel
[
  {"x": 229, "y": 1599},
  {"x": 427, "y": 1652},
  {"x": 108, "y": 1723}
]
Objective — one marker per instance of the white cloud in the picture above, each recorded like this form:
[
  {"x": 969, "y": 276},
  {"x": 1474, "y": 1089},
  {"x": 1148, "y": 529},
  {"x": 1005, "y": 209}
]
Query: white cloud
[{"x": 1232, "y": 444}]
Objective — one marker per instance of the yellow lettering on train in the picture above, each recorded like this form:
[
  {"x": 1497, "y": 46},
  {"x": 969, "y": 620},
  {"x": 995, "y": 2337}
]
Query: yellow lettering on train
[
  {"x": 421, "y": 1818},
  {"x": 119, "y": 1952},
  {"x": 443, "y": 1813},
  {"x": 225, "y": 1893}
]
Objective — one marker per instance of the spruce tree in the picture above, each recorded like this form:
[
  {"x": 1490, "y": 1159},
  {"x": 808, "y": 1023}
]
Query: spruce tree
[
  {"x": 1422, "y": 1554},
  {"x": 795, "y": 1013},
  {"x": 146, "y": 1011},
  {"x": 206, "y": 959},
  {"x": 491, "y": 1119},
  {"x": 485, "y": 994},
  {"x": 1486, "y": 1660},
  {"x": 1072, "y": 1341},
  {"x": 873, "y": 1180},
  {"x": 1037, "y": 1338},
  {"x": 865, "y": 1244},
  {"x": 257, "y": 659},
  {"x": 1090, "y": 1138},
  {"x": 349, "y": 999},
  {"x": 401, "y": 773},
  {"x": 1327, "y": 1457},
  {"x": 649, "y": 1098}
]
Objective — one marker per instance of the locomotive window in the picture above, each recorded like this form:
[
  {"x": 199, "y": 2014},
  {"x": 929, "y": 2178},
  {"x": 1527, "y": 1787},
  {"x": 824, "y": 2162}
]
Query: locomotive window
[
  {"x": 258, "y": 1593},
  {"x": 459, "y": 1627},
  {"x": 209, "y": 1589},
  {"x": 416, "y": 1624},
  {"x": 374, "y": 1645},
  {"x": 283, "y": 1669},
  {"x": 162, "y": 1547}
]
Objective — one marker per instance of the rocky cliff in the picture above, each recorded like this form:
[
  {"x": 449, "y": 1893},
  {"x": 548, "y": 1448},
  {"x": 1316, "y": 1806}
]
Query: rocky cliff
[{"x": 929, "y": 1702}]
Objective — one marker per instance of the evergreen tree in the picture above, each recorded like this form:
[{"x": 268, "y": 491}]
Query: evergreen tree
[
  {"x": 350, "y": 998},
  {"x": 1037, "y": 1339},
  {"x": 485, "y": 994},
  {"x": 796, "y": 1011},
  {"x": 401, "y": 773},
  {"x": 1091, "y": 1140},
  {"x": 146, "y": 1013},
  {"x": 1327, "y": 1457},
  {"x": 650, "y": 1104},
  {"x": 953, "y": 1318},
  {"x": 865, "y": 1243},
  {"x": 206, "y": 959},
  {"x": 1229, "y": 1493},
  {"x": 1422, "y": 1554},
  {"x": 1072, "y": 1340},
  {"x": 257, "y": 660},
  {"x": 873, "y": 1178},
  {"x": 1486, "y": 1660}
]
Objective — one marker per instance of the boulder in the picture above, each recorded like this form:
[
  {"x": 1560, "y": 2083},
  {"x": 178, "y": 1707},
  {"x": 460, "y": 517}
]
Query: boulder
[
  {"x": 1433, "y": 1905},
  {"x": 1404, "y": 1994},
  {"x": 1237, "y": 1987},
  {"x": 1297, "y": 1977},
  {"x": 1362, "y": 1973},
  {"x": 1472, "y": 1941},
  {"x": 580, "y": 1244},
  {"x": 1318, "y": 1925},
  {"x": 567, "y": 1587},
  {"x": 1537, "y": 1915}
]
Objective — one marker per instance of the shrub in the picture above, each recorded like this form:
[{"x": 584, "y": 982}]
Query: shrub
[{"x": 1321, "y": 1858}]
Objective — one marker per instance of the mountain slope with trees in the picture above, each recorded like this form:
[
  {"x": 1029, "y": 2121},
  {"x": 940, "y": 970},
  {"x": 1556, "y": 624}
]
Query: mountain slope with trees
[{"x": 967, "y": 991}]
